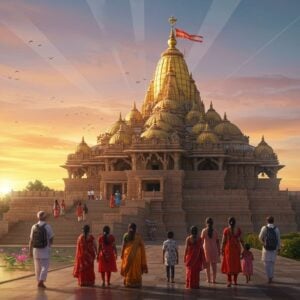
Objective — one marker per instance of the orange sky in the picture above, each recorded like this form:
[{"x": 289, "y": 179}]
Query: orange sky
[{"x": 66, "y": 71}]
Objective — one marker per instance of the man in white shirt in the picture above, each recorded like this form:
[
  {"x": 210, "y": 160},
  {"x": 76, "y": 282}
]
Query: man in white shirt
[
  {"x": 41, "y": 256},
  {"x": 270, "y": 237}
]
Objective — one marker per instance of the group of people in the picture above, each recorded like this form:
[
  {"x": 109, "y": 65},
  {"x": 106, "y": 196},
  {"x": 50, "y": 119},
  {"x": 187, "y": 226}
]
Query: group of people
[
  {"x": 59, "y": 209},
  {"x": 202, "y": 251},
  {"x": 115, "y": 199}
]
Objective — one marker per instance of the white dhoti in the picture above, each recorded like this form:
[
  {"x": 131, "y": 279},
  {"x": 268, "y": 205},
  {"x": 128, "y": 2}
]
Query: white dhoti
[{"x": 41, "y": 266}]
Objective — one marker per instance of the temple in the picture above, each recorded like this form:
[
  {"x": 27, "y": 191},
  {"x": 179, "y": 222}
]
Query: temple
[{"x": 183, "y": 161}]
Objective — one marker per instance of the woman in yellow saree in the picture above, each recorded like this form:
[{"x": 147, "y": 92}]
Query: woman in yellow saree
[{"x": 133, "y": 257}]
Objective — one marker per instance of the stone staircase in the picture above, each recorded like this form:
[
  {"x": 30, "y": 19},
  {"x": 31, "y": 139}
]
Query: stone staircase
[
  {"x": 67, "y": 228},
  {"x": 219, "y": 204}
]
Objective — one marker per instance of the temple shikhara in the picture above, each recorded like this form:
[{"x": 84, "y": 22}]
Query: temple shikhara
[
  {"x": 175, "y": 160},
  {"x": 182, "y": 158}
]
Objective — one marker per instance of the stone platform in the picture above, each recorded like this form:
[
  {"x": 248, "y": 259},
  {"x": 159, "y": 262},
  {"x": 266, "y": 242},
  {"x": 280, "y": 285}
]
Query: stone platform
[{"x": 61, "y": 284}]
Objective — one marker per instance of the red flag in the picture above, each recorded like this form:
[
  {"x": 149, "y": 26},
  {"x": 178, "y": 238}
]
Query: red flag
[{"x": 192, "y": 37}]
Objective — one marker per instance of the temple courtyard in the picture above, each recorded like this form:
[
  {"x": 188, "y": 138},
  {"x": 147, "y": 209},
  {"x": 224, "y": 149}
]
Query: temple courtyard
[{"x": 61, "y": 284}]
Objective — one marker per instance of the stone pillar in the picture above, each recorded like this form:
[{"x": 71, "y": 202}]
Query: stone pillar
[
  {"x": 106, "y": 164},
  {"x": 220, "y": 163},
  {"x": 105, "y": 191},
  {"x": 133, "y": 162},
  {"x": 176, "y": 161}
]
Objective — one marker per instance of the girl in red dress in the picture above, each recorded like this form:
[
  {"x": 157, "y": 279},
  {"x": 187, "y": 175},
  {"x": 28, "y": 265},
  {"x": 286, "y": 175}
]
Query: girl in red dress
[
  {"x": 194, "y": 259},
  {"x": 107, "y": 255},
  {"x": 231, "y": 251}
]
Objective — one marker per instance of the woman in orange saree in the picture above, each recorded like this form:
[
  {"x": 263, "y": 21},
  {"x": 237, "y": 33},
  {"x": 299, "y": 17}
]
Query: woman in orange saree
[
  {"x": 133, "y": 257},
  {"x": 231, "y": 251},
  {"x": 84, "y": 258},
  {"x": 194, "y": 259}
]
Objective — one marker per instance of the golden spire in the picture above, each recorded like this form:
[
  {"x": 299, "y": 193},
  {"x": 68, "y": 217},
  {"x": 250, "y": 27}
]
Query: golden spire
[
  {"x": 172, "y": 41},
  {"x": 120, "y": 117},
  {"x": 225, "y": 117},
  {"x": 134, "y": 106}
]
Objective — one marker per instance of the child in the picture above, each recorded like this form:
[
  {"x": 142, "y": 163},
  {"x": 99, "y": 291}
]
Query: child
[
  {"x": 170, "y": 256},
  {"x": 247, "y": 266}
]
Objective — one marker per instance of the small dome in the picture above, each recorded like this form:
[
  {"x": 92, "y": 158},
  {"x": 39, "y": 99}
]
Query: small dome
[
  {"x": 155, "y": 132},
  {"x": 212, "y": 117},
  {"x": 228, "y": 129},
  {"x": 207, "y": 137},
  {"x": 120, "y": 137},
  {"x": 167, "y": 117},
  {"x": 193, "y": 116},
  {"x": 134, "y": 116},
  {"x": 83, "y": 147},
  {"x": 166, "y": 105},
  {"x": 200, "y": 126},
  {"x": 116, "y": 126},
  {"x": 263, "y": 150}
]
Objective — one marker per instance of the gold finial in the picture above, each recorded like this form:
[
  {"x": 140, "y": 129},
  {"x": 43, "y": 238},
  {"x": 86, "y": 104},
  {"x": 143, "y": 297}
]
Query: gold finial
[
  {"x": 120, "y": 117},
  {"x": 263, "y": 138},
  {"x": 172, "y": 41},
  {"x": 211, "y": 105},
  {"x": 134, "y": 106},
  {"x": 225, "y": 117},
  {"x": 172, "y": 21}
]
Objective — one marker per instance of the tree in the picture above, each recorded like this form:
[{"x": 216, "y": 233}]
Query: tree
[{"x": 37, "y": 185}]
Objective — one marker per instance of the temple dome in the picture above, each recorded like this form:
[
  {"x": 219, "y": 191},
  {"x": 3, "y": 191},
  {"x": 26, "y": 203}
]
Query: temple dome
[
  {"x": 212, "y": 117},
  {"x": 167, "y": 117},
  {"x": 134, "y": 116},
  {"x": 263, "y": 150},
  {"x": 83, "y": 147},
  {"x": 155, "y": 132},
  {"x": 228, "y": 129},
  {"x": 166, "y": 104},
  {"x": 193, "y": 115},
  {"x": 200, "y": 126},
  {"x": 120, "y": 137},
  {"x": 116, "y": 126},
  {"x": 207, "y": 137}
]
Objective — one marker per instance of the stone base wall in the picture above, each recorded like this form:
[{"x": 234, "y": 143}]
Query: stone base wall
[
  {"x": 274, "y": 203},
  {"x": 294, "y": 198}
]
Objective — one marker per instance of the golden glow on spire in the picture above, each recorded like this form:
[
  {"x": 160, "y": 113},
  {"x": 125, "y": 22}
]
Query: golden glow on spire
[{"x": 172, "y": 40}]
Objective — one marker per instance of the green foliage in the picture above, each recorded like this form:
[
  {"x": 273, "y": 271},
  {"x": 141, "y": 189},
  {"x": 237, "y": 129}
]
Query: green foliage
[
  {"x": 290, "y": 236},
  {"x": 4, "y": 204},
  {"x": 37, "y": 185},
  {"x": 291, "y": 248},
  {"x": 253, "y": 240}
]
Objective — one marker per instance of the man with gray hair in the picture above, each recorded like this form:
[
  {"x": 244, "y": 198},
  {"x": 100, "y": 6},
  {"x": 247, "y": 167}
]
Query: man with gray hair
[{"x": 41, "y": 239}]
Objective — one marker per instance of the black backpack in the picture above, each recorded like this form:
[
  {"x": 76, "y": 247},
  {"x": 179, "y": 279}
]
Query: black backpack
[
  {"x": 39, "y": 236},
  {"x": 271, "y": 241}
]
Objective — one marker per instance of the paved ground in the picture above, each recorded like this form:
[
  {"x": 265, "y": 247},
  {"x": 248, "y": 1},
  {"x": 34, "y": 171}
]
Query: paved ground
[{"x": 61, "y": 284}]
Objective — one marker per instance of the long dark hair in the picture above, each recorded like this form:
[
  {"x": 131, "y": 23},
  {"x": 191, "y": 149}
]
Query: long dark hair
[
  {"x": 86, "y": 230},
  {"x": 209, "y": 222},
  {"x": 194, "y": 233},
  {"x": 106, "y": 231},
  {"x": 131, "y": 231},
  {"x": 231, "y": 222}
]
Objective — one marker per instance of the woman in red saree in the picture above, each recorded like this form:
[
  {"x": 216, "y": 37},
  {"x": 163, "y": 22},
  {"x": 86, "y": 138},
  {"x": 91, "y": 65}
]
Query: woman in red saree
[
  {"x": 107, "y": 255},
  {"x": 112, "y": 201},
  {"x": 231, "y": 251},
  {"x": 194, "y": 259},
  {"x": 84, "y": 258},
  {"x": 133, "y": 257}
]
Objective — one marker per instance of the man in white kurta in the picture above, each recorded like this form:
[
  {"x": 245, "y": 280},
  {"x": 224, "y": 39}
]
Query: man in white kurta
[
  {"x": 41, "y": 256},
  {"x": 269, "y": 256}
]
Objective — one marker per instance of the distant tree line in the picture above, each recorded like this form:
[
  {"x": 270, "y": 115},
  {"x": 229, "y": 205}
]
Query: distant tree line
[{"x": 37, "y": 185}]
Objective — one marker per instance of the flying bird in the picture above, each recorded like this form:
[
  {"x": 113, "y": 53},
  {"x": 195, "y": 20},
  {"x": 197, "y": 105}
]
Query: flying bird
[
  {"x": 137, "y": 81},
  {"x": 39, "y": 45},
  {"x": 126, "y": 73},
  {"x": 30, "y": 41},
  {"x": 51, "y": 57}
]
